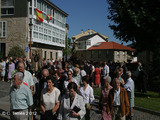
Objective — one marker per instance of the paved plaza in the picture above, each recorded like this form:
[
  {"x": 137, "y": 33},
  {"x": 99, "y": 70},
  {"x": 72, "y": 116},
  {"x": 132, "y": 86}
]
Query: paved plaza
[{"x": 95, "y": 112}]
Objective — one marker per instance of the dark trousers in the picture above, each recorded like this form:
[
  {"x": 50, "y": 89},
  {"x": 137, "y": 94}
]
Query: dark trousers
[
  {"x": 129, "y": 97},
  {"x": 48, "y": 116}
]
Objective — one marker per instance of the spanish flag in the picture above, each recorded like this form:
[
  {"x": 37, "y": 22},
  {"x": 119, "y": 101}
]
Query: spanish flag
[
  {"x": 39, "y": 15},
  {"x": 49, "y": 17}
]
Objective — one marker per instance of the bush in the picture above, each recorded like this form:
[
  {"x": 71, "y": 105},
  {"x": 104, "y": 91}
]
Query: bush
[{"x": 16, "y": 52}]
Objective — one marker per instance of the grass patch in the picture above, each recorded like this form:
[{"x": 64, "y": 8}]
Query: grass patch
[
  {"x": 150, "y": 100},
  {"x": 97, "y": 91}
]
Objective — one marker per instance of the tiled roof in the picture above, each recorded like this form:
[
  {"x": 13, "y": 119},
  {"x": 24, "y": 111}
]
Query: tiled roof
[
  {"x": 110, "y": 46},
  {"x": 89, "y": 36}
]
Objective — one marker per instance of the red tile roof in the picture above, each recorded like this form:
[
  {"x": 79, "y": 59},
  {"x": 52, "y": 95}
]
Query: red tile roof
[{"x": 110, "y": 45}]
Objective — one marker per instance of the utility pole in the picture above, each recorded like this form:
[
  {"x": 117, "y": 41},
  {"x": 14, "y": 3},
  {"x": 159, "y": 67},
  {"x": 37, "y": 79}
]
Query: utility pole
[{"x": 30, "y": 27}]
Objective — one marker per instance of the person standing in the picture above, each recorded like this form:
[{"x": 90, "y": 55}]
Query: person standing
[
  {"x": 50, "y": 100},
  {"x": 28, "y": 79},
  {"x": 105, "y": 69},
  {"x": 92, "y": 72},
  {"x": 118, "y": 104},
  {"x": 72, "y": 105},
  {"x": 103, "y": 98},
  {"x": 97, "y": 76},
  {"x": 86, "y": 91},
  {"x": 20, "y": 98},
  {"x": 129, "y": 87},
  {"x": 11, "y": 67},
  {"x": 3, "y": 65},
  {"x": 70, "y": 79},
  {"x": 43, "y": 82},
  {"x": 118, "y": 76},
  {"x": 82, "y": 71},
  {"x": 77, "y": 76}
]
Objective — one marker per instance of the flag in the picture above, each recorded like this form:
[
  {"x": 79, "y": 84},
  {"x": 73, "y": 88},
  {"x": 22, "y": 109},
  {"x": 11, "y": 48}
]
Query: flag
[
  {"x": 48, "y": 17},
  {"x": 39, "y": 15}
]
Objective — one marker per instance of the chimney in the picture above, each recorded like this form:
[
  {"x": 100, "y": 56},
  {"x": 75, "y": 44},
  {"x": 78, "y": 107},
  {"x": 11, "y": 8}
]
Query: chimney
[{"x": 81, "y": 30}]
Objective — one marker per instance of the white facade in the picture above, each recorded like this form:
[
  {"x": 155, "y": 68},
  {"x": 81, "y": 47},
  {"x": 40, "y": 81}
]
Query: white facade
[
  {"x": 85, "y": 44},
  {"x": 50, "y": 32}
]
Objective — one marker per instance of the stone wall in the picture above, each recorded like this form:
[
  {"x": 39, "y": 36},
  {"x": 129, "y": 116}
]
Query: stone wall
[
  {"x": 16, "y": 33},
  {"x": 48, "y": 52},
  {"x": 112, "y": 55}
]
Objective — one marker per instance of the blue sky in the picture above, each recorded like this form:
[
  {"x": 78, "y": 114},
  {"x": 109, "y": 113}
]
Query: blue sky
[{"x": 87, "y": 14}]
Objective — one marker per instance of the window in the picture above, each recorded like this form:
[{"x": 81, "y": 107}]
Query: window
[
  {"x": 59, "y": 19},
  {"x": 39, "y": 4},
  {"x": 41, "y": 29},
  {"x": 45, "y": 54},
  {"x": 50, "y": 55},
  {"x": 49, "y": 38},
  {"x": 30, "y": 3},
  {"x": 124, "y": 56},
  {"x": 35, "y": 34},
  {"x": 88, "y": 42},
  {"x": 53, "y": 39},
  {"x": 7, "y": 7},
  {"x": 30, "y": 11},
  {"x": 99, "y": 54},
  {"x": 44, "y": 7},
  {"x": 3, "y": 29},
  {"x": 107, "y": 54},
  {"x": 48, "y": 10},
  {"x": 45, "y": 37},
  {"x": 35, "y": 27},
  {"x": 118, "y": 55},
  {"x": 35, "y": 5},
  {"x": 56, "y": 55},
  {"x": 41, "y": 36},
  {"x": 92, "y": 54}
]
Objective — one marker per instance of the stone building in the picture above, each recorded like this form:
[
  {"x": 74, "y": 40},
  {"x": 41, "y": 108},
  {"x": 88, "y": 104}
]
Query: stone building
[
  {"x": 95, "y": 47},
  {"x": 47, "y": 36}
]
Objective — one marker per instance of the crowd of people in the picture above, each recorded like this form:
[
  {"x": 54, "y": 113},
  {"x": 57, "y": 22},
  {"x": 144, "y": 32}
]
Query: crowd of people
[{"x": 64, "y": 90}]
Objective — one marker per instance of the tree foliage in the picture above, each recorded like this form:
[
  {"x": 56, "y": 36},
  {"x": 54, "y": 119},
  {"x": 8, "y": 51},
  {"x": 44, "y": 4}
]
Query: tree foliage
[
  {"x": 137, "y": 21},
  {"x": 16, "y": 52},
  {"x": 67, "y": 49}
]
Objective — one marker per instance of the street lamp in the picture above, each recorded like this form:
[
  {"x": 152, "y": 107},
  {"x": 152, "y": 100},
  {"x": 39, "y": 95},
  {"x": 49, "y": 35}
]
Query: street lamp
[{"x": 30, "y": 27}]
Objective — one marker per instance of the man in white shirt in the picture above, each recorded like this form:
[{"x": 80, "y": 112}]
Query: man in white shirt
[
  {"x": 129, "y": 87},
  {"x": 28, "y": 79},
  {"x": 105, "y": 69},
  {"x": 105, "y": 72}
]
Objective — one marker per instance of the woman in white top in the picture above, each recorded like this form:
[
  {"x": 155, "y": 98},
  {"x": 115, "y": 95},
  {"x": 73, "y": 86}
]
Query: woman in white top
[
  {"x": 86, "y": 91},
  {"x": 72, "y": 106},
  {"x": 50, "y": 100},
  {"x": 3, "y": 65}
]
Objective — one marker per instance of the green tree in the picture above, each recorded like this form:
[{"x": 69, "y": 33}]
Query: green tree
[
  {"x": 67, "y": 49},
  {"x": 16, "y": 52},
  {"x": 138, "y": 21}
]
